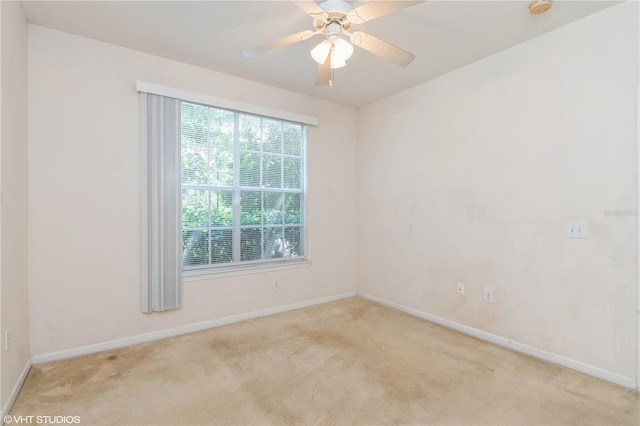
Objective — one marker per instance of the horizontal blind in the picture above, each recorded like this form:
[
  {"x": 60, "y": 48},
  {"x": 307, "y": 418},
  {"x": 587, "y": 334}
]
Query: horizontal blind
[{"x": 242, "y": 188}]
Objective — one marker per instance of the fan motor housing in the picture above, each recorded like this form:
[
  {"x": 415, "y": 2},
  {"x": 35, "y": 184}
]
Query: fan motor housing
[
  {"x": 333, "y": 20},
  {"x": 335, "y": 6},
  {"x": 537, "y": 7}
]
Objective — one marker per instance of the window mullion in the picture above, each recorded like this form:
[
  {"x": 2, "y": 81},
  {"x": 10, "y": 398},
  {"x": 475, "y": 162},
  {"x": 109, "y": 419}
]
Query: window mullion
[
  {"x": 236, "y": 188},
  {"x": 282, "y": 176},
  {"x": 303, "y": 192},
  {"x": 209, "y": 224},
  {"x": 261, "y": 188}
]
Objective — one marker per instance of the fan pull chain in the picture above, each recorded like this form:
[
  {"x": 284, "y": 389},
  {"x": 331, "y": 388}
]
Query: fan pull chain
[{"x": 332, "y": 69}]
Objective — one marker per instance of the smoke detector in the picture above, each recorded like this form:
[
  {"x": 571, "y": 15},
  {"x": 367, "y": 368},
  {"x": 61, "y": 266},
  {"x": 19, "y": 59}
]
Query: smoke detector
[{"x": 536, "y": 7}]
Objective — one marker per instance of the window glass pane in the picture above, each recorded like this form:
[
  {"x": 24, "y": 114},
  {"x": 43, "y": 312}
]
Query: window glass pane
[
  {"x": 292, "y": 138},
  {"x": 250, "y": 244},
  {"x": 194, "y": 164},
  {"x": 221, "y": 125},
  {"x": 221, "y": 208},
  {"x": 273, "y": 243},
  {"x": 194, "y": 123},
  {"x": 273, "y": 203},
  {"x": 221, "y": 246},
  {"x": 292, "y": 173},
  {"x": 195, "y": 247},
  {"x": 292, "y": 242},
  {"x": 195, "y": 208},
  {"x": 227, "y": 154},
  {"x": 221, "y": 167},
  {"x": 272, "y": 171},
  {"x": 272, "y": 134},
  {"x": 292, "y": 208},
  {"x": 250, "y": 169},
  {"x": 251, "y": 208},
  {"x": 249, "y": 132}
]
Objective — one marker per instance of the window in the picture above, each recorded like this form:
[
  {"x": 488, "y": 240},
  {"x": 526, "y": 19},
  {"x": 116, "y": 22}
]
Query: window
[
  {"x": 220, "y": 188},
  {"x": 242, "y": 188}
]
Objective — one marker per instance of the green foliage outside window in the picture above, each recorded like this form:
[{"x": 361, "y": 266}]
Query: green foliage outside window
[{"x": 241, "y": 184}]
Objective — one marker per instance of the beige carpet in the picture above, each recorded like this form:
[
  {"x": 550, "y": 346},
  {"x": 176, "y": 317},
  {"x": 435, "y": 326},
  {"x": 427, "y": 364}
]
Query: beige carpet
[{"x": 348, "y": 362}]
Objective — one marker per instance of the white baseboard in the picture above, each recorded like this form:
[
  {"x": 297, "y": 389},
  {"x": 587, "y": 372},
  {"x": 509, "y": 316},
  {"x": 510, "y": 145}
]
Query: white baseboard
[
  {"x": 627, "y": 382},
  {"x": 190, "y": 328},
  {"x": 16, "y": 389}
]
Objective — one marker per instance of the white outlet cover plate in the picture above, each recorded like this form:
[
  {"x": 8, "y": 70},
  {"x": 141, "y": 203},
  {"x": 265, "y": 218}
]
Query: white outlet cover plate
[{"x": 577, "y": 229}]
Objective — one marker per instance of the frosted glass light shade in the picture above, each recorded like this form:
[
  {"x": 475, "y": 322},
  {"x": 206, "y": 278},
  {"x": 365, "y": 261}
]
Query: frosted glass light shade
[
  {"x": 337, "y": 63},
  {"x": 342, "y": 50},
  {"x": 320, "y": 52}
]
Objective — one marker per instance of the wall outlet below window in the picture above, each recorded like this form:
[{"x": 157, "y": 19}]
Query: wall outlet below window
[{"x": 488, "y": 295}]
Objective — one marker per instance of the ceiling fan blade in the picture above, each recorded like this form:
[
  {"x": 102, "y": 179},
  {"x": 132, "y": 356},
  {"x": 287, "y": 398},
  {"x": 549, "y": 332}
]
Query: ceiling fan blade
[
  {"x": 381, "y": 48},
  {"x": 323, "y": 76},
  {"x": 376, "y": 9},
  {"x": 290, "y": 39},
  {"x": 310, "y": 7}
]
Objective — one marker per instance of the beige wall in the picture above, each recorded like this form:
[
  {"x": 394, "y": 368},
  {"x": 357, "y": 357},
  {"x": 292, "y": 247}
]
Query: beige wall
[
  {"x": 13, "y": 208},
  {"x": 85, "y": 199},
  {"x": 471, "y": 178}
]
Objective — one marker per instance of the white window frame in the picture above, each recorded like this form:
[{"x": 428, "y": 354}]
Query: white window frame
[
  {"x": 148, "y": 290},
  {"x": 236, "y": 189}
]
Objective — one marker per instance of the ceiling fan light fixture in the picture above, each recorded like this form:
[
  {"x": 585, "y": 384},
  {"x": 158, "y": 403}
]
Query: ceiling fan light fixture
[
  {"x": 334, "y": 19},
  {"x": 338, "y": 63},
  {"x": 321, "y": 51},
  {"x": 342, "y": 50}
]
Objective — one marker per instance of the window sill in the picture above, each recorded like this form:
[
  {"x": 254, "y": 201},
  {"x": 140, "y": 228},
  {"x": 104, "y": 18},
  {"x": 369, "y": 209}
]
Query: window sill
[{"x": 232, "y": 271}]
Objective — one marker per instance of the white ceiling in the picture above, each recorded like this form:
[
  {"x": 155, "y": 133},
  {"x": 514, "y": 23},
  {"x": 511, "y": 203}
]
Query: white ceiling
[{"x": 444, "y": 35}]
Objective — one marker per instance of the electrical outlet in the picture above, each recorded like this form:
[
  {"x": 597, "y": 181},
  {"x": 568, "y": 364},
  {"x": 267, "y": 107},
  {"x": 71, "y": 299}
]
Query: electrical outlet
[
  {"x": 488, "y": 295},
  {"x": 576, "y": 229},
  {"x": 7, "y": 339},
  {"x": 461, "y": 289},
  {"x": 276, "y": 285}
]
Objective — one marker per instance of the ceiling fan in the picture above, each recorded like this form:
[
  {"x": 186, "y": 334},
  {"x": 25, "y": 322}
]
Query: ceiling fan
[{"x": 334, "y": 19}]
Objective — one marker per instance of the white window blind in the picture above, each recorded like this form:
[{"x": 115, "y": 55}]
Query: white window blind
[
  {"x": 163, "y": 204},
  {"x": 242, "y": 188}
]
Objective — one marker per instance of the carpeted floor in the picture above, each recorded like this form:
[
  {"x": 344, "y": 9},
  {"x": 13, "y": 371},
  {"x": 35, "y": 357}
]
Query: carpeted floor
[{"x": 347, "y": 362}]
